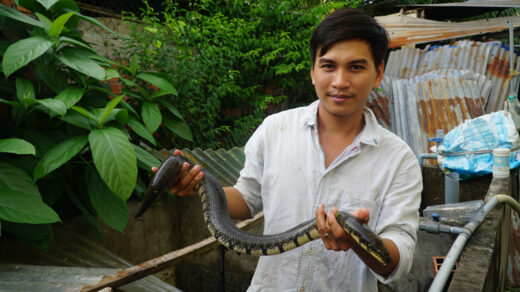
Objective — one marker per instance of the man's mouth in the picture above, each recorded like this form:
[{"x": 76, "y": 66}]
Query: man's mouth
[{"x": 340, "y": 96}]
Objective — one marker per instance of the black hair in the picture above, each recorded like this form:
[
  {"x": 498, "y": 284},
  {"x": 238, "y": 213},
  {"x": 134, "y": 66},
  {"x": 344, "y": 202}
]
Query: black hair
[{"x": 347, "y": 24}]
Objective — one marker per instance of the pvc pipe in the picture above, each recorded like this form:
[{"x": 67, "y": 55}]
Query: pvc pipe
[
  {"x": 451, "y": 188},
  {"x": 423, "y": 156},
  {"x": 437, "y": 227},
  {"x": 456, "y": 249}
]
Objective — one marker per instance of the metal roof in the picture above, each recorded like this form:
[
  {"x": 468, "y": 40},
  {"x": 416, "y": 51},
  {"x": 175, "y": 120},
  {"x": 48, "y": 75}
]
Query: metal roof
[
  {"x": 461, "y": 10},
  {"x": 406, "y": 30}
]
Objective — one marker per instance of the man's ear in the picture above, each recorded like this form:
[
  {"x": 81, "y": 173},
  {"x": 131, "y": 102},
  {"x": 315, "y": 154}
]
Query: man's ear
[
  {"x": 312, "y": 75},
  {"x": 380, "y": 71}
]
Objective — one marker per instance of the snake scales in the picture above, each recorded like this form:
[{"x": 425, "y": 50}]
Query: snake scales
[{"x": 216, "y": 216}]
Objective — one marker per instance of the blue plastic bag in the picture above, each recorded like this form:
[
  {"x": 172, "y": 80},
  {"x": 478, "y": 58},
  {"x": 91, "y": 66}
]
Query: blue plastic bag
[{"x": 468, "y": 148}]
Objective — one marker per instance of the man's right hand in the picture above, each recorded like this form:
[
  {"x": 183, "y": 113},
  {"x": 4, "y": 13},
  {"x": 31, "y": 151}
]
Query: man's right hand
[{"x": 184, "y": 185}]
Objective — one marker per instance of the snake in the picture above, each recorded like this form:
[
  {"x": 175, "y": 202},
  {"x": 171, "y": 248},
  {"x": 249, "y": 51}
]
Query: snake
[{"x": 217, "y": 219}]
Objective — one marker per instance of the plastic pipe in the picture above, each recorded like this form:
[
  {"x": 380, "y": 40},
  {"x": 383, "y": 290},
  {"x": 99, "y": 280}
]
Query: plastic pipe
[
  {"x": 423, "y": 156},
  {"x": 451, "y": 258},
  {"x": 437, "y": 227},
  {"x": 451, "y": 188}
]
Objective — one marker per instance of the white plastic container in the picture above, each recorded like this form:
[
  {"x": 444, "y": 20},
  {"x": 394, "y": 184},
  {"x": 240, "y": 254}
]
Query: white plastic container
[{"x": 501, "y": 158}]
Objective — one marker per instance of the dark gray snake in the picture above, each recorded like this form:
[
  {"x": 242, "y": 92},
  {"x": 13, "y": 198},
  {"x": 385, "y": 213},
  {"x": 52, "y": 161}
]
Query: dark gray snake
[{"x": 216, "y": 216}]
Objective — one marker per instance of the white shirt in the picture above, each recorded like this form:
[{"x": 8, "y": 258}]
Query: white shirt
[{"x": 285, "y": 175}]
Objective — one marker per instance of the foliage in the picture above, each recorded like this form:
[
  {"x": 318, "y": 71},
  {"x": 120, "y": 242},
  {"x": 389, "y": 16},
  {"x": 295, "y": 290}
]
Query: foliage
[
  {"x": 232, "y": 62},
  {"x": 67, "y": 144}
]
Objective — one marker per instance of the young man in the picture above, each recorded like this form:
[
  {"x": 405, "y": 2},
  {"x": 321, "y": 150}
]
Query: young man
[{"x": 311, "y": 161}]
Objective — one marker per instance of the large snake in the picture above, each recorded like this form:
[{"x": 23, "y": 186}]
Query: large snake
[{"x": 216, "y": 216}]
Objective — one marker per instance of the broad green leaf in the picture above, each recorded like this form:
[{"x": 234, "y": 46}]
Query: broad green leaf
[
  {"x": 146, "y": 158},
  {"x": 158, "y": 93},
  {"x": 77, "y": 43},
  {"x": 16, "y": 146},
  {"x": 108, "y": 109},
  {"x": 140, "y": 130},
  {"x": 56, "y": 106},
  {"x": 128, "y": 82},
  {"x": 109, "y": 207},
  {"x": 97, "y": 23},
  {"x": 44, "y": 21},
  {"x": 128, "y": 107},
  {"x": 11, "y": 103},
  {"x": 15, "y": 181},
  {"x": 89, "y": 217},
  {"x": 58, "y": 24},
  {"x": 17, "y": 15},
  {"x": 179, "y": 128},
  {"x": 70, "y": 96},
  {"x": 171, "y": 108},
  {"x": 85, "y": 112},
  {"x": 19, "y": 208},
  {"x": 134, "y": 65},
  {"x": 98, "y": 112},
  {"x": 24, "y": 91},
  {"x": 47, "y": 3},
  {"x": 80, "y": 61},
  {"x": 151, "y": 115},
  {"x": 77, "y": 119},
  {"x": 22, "y": 52},
  {"x": 53, "y": 78},
  {"x": 59, "y": 155},
  {"x": 115, "y": 160},
  {"x": 111, "y": 73},
  {"x": 158, "y": 81}
]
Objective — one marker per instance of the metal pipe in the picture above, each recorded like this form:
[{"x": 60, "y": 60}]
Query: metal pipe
[{"x": 456, "y": 249}]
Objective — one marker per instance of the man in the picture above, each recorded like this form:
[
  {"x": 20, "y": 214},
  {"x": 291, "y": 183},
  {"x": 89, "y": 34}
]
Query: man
[{"x": 311, "y": 161}]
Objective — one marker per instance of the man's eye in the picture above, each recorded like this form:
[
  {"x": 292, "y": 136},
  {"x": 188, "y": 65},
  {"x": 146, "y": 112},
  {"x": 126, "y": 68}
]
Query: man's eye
[
  {"x": 358, "y": 67},
  {"x": 327, "y": 66}
]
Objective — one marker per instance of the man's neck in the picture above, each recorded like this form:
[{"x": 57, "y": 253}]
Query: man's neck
[{"x": 337, "y": 133}]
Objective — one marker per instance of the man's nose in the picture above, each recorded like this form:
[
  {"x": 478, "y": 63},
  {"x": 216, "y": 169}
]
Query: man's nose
[{"x": 341, "y": 79}]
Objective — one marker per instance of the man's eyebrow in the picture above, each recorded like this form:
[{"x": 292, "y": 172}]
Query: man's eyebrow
[{"x": 323, "y": 60}]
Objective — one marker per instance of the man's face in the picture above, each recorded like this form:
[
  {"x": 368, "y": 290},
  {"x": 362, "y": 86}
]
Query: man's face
[{"x": 344, "y": 77}]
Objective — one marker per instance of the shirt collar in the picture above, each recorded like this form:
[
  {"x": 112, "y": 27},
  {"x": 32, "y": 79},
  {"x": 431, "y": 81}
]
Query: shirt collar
[{"x": 369, "y": 135}]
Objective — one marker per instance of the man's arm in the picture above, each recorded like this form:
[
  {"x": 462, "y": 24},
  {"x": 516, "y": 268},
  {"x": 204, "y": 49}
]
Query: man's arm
[{"x": 337, "y": 239}]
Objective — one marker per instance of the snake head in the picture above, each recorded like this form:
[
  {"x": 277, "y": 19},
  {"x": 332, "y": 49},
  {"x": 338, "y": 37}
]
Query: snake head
[{"x": 165, "y": 176}]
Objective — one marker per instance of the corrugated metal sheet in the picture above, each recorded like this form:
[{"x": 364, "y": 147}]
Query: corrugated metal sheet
[
  {"x": 72, "y": 261},
  {"x": 63, "y": 279},
  {"x": 477, "y": 3},
  {"x": 224, "y": 165},
  {"x": 406, "y": 30},
  {"x": 437, "y": 100},
  {"x": 490, "y": 59}
]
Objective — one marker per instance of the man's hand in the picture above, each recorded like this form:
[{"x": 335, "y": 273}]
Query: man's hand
[
  {"x": 332, "y": 234},
  {"x": 185, "y": 184}
]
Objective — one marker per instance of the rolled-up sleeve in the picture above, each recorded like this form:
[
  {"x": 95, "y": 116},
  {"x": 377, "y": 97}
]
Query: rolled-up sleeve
[{"x": 399, "y": 217}]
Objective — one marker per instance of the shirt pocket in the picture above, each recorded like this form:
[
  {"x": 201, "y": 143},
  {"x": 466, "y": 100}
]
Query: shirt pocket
[{"x": 348, "y": 202}]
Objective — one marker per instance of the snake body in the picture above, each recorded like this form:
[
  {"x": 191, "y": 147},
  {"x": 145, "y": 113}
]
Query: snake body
[{"x": 216, "y": 216}]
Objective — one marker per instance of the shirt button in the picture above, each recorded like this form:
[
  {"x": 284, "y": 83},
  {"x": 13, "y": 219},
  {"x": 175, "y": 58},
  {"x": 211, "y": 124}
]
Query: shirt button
[
  {"x": 302, "y": 290},
  {"x": 309, "y": 252}
]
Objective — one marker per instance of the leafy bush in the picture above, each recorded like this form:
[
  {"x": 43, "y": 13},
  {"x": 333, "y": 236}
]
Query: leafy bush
[
  {"x": 232, "y": 62},
  {"x": 66, "y": 143}
]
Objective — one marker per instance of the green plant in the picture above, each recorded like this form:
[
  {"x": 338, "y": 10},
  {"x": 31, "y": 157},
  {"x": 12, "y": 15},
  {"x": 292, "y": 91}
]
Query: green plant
[
  {"x": 67, "y": 143},
  {"x": 232, "y": 62}
]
